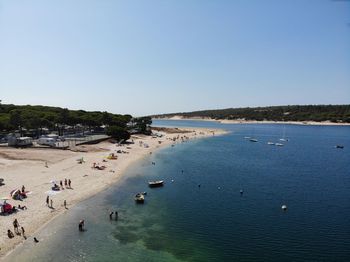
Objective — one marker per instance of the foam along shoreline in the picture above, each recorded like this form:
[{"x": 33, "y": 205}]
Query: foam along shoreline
[
  {"x": 243, "y": 121},
  {"x": 28, "y": 167}
]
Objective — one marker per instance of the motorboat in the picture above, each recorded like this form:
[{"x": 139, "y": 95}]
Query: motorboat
[
  {"x": 253, "y": 140},
  {"x": 157, "y": 183},
  {"x": 139, "y": 198},
  {"x": 271, "y": 143}
]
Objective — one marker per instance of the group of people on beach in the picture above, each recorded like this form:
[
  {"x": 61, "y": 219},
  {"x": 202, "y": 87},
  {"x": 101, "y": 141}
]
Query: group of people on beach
[
  {"x": 16, "y": 230},
  {"x": 67, "y": 184},
  {"x": 49, "y": 203}
]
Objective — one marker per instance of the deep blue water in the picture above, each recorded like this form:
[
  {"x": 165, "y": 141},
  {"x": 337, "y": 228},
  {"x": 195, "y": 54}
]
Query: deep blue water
[{"x": 213, "y": 222}]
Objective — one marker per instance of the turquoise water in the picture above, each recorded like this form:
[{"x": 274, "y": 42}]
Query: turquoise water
[{"x": 213, "y": 222}]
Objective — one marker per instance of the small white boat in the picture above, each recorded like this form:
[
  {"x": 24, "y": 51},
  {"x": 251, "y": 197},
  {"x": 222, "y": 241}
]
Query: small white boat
[
  {"x": 157, "y": 183},
  {"x": 247, "y": 137},
  {"x": 279, "y": 144},
  {"x": 271, "y": 143}
]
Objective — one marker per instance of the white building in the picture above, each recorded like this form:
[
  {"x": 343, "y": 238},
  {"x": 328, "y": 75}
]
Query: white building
[{"x": 19, "y": 141}]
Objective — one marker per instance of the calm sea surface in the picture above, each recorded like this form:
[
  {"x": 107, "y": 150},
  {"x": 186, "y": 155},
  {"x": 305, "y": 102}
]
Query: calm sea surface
[{"x": 213, "y": 222}]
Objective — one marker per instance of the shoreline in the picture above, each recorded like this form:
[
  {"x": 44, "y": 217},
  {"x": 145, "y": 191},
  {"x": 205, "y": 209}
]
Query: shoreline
[
  {"x": 86, "y": 182},
  {"x": 241, "y": 121}
]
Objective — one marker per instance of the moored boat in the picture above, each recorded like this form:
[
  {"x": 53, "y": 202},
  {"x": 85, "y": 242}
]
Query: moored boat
[
  {"x": 279, "y": 144},
  {"x": 139, "y": 198},
  {"x": 339, "y": 146},
  {"x": 157, "y": 183},
  {"x": 253, "y": 140},
  {"x": 270, "y": 143}
]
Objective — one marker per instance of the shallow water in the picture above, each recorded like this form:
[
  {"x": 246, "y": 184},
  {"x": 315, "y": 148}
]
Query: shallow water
[{"x": 213, "y": 222}]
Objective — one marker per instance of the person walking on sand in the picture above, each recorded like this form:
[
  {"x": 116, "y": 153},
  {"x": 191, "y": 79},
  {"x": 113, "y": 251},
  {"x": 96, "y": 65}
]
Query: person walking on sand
[
  {"x": 65, "y": 182},
  {"x": 69, "y": 183},
  {"x": 15, "y": 226},
  {"x": 47, "y": 200},
  {"x": 23, "y": 189},
  {"x": 46, "y": 165},
  {"x": 65, "y": 204},
  {"x": 51, "y": 203}
]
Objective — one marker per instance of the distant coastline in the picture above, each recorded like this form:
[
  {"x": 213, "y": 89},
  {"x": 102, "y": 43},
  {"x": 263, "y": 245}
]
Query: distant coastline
[
  {"x": 243, "y": 121},
  {"x": 285, "y": 114}
]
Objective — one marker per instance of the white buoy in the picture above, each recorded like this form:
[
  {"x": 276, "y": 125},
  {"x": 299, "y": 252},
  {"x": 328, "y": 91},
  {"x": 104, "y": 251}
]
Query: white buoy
[
  {"x": 172, "y": 180},
  {"x": 284, "y": 207}
]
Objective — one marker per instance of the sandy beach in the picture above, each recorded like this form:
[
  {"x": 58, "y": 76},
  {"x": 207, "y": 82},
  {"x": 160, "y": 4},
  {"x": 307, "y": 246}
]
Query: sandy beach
[
  {"x": 243, "y": 121},
  {"x": 28, "y": 167}
]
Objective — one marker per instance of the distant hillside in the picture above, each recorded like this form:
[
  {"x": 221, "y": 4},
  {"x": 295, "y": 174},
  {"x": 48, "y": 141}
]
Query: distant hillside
[
  {"x": 317, "y": 113},
  {"x": 14, "y": 117}
]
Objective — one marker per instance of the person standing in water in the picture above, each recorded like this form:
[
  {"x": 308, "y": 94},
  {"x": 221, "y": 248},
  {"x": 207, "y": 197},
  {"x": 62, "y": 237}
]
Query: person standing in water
[{"x": 81, "y": 225}]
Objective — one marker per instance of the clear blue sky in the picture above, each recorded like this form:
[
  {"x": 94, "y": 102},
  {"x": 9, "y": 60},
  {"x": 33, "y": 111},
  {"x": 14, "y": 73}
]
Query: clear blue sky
[{"x": 144, "y": 57}]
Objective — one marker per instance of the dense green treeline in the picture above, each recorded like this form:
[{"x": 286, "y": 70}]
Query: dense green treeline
[
  {"x": 318, "y": 113},
  {"x": 14, "y": 117}
]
